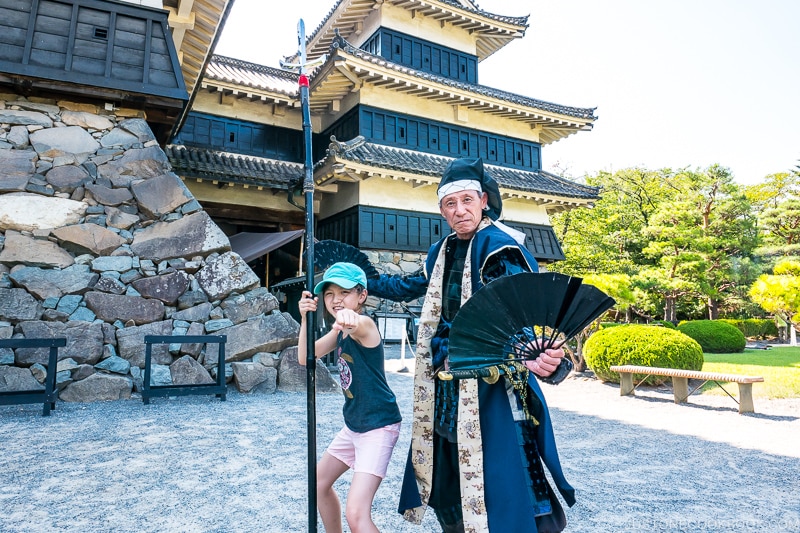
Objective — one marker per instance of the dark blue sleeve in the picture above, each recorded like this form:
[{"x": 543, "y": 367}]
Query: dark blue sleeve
[
  {"x": 506, "y": 262},
  {"x": 560, "y": 373},
  {"x": 399, "y": 288}
]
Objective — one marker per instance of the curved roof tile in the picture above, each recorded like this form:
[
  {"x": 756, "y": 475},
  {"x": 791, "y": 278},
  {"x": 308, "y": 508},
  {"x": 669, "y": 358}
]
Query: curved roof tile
[
  {"x": 470, "y": 7},
  {"x": 578, "y": 112},
  {"x": 431, "y": 166},
  {"x": 232, "y": 168},
  {"x": 519, "y": 21},
  {"x": 239, "y": 72}
]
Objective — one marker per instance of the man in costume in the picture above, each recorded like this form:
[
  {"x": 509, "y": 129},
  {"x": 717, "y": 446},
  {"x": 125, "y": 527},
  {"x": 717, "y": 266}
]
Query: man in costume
[{"x": 477, "y": 447}]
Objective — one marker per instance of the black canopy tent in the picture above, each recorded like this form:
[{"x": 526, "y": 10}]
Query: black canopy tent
[{"x": 251, "y": 246}]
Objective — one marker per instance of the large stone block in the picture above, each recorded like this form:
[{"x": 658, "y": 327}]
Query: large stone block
[
  {"x": 160, "y": 195},
  {"x": 84, "y": 342},
  {"x": 167, "y": 288},
  {"x": 17, "y": 304},
  {"x": 254, "y": 378},
  {"x": 86, "y": 120},
  {"x": 108, "y": 196},
  {"x": 270, "y": 333},
  {"x": 25, "y": 118},
  {"x": 49, "y": 283},
  {"x": 116, "y": 218},
  {"x": 67, "y": 178},
  {"x": 187, "y": 371},
  {"x": 29, "y": 212},
  {"x": 88, "y": 239},
  {"x": 187, "y": 237},
  {"x": 139, "y": 128},
  {"x": 54, "y": 142},
  {"x": 98, "y": 387},
  {"x": 292, "y": 375},
  {"x": 194, "y": 349},
  {"x": 198, "y": 313},
  {"x": 113, "y": 307},
  {"x": 16, "y": 168},
  {"x": 136, "y": 164},
  {"x": 13, "y": 378},
  {"x": 258, "y": 301},
  {"x": 23, "y": 250},
  {"x": 131, "y": 346},
  {"x": 225, "y": 274}
]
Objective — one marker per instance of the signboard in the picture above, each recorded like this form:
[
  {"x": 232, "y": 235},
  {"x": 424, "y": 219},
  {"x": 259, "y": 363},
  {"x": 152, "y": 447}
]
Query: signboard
[{"x": 391, "y": 328}]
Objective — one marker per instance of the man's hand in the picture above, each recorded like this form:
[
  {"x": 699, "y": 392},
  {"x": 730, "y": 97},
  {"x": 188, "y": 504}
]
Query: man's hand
[{"x": 546, "y": 363}]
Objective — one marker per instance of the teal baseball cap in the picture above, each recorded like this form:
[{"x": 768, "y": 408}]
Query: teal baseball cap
[{"x": 345, "y": 275}]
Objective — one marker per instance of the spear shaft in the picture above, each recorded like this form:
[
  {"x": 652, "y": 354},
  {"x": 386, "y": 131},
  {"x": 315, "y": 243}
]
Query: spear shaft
[
  {"x": 311, "y": 359},
  {"x": 311, "y": 320},
  {"x": 311, "y": 317}
]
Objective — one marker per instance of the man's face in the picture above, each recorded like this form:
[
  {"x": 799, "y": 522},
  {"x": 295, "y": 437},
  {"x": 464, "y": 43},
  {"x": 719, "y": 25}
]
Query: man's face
[{"x": 463, "y": 211}]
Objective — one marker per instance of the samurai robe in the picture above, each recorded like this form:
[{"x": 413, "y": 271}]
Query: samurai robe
[{"x": 481, "y": 458}]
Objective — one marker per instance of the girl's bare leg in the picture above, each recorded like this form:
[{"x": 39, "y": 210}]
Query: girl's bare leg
[
  {"x": 329, "y": 469},
  {"x": 358, "y": 509}
]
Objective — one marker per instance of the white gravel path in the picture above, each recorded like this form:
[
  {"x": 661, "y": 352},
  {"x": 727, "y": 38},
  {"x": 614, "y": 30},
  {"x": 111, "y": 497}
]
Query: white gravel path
[{"x": 196, "y": 464}]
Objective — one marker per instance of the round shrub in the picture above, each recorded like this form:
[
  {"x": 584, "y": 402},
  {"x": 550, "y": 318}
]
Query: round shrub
[
  {"x": 642, "y": 346},
  {"x": 715, "y": 336}
]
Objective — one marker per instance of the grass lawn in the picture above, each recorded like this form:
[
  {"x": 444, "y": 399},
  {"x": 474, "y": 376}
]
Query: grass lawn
[{"x": 780, "y": 368}]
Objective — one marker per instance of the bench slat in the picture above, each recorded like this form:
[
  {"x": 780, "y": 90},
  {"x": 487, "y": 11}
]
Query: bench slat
[
  {"x": 691, "y": 374},
  {"x": 680, "y": 380}
]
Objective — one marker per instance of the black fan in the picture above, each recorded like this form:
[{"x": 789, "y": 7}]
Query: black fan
[
  {"x": 329, "y": 251},
  {"x": 519, "y": 316}
]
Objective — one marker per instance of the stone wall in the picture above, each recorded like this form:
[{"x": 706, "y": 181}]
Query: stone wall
[
  {"x": 101, "y": 243},
  {"x": 394, "y": 263}
]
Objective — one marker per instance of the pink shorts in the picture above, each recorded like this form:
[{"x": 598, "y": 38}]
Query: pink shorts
[{"x": 368, "y": 452}]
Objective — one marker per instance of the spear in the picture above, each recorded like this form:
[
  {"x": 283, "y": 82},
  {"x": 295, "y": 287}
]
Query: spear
[{"x": 308, "y": 191}]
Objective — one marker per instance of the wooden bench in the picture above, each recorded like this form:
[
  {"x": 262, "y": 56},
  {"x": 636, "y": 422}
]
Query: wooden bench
[{"x": 680, "y": 382}]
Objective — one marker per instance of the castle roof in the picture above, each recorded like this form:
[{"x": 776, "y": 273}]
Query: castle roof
[{"x": 492, "y": 31}]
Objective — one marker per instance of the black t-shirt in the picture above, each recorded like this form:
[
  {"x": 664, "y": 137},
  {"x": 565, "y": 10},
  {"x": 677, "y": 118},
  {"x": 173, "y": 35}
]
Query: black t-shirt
[
  {"x": 455, "y": 257},
  {"x": 369, "y": 401}
]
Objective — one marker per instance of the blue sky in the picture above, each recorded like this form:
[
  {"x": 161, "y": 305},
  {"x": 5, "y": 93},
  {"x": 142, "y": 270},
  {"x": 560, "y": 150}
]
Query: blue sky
[{"x": 684, "y": 83}]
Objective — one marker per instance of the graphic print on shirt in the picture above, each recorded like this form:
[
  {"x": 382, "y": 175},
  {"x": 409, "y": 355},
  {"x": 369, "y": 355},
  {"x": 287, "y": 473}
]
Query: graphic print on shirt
[{"x": 345, "y": 375}]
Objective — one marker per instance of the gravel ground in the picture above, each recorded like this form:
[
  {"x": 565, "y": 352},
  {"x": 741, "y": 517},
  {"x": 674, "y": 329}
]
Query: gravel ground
[{"x": 196, "y": 464}]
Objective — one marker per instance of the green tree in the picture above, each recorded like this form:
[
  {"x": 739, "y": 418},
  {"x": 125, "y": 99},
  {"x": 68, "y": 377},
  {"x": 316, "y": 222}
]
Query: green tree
[
  {"x": 779, "y": 293},
  {"x": 696, "y": 238},
  {"x": 685, "y": 239},
  {"x": 781, "y": 226},
  {"x": 776, "y": 203},
  {"x": 609, "y": 238},
  {"x": 773, "y": 190},
  {"x": 730, "y": 236},
  {"x": 584, "y": 236},
  {"x": 618, "y": 286}
]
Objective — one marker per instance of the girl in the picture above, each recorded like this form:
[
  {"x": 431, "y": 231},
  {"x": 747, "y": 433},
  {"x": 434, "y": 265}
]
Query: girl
[{"x": 371, "y": 415}]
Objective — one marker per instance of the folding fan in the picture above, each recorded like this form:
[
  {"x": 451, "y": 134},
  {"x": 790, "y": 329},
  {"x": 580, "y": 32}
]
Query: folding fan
[
  {"x": 328, "y": 252},
  {"x": 518, "y": 317}
]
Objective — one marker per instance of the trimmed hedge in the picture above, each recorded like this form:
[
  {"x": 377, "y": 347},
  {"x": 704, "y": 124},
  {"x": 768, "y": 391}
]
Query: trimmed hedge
[
  {"x": 754, "y": 328},
  {"x": 715, "y": 336},
  {"x": 643, "y": 346},
  {"x": 665, "y": 323}
]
